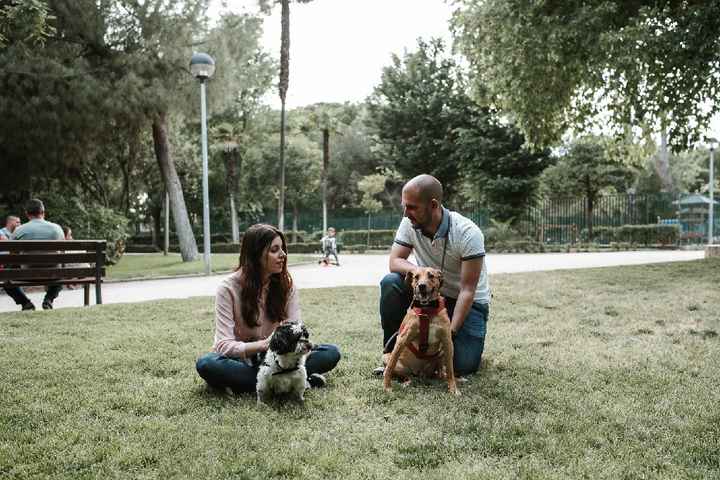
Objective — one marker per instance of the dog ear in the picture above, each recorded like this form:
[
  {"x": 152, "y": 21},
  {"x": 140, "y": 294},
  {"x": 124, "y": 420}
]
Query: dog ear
[
  {"x": 305, "y": 334},
  {"x": 280, "y": 341},
  {"x": 409, "y": 277},
  {"x": 441, "y": 278}
]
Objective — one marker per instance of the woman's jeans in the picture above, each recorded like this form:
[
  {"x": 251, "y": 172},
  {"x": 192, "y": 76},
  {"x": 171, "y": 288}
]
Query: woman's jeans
[
  {"x": 469, "y": 342},
  {"x": 220, "y": 371}
]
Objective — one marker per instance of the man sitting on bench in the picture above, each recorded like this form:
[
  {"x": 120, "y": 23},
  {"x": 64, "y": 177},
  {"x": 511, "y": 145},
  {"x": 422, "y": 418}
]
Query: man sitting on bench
[{"x": 36, "y": 229}]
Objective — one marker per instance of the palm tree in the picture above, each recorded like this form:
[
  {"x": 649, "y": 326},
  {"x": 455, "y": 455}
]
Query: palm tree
[
  {"x": 229, "y": 139},
  {"x": 283, "y": 88}
]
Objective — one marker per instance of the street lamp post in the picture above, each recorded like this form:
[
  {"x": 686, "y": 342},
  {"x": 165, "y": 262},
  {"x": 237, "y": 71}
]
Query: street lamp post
[
  {"x": 711, "y": 208},
  {"x": 202, "y": 67}
]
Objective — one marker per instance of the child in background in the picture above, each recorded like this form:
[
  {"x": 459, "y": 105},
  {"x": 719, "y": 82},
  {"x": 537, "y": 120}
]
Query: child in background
[{"x": 329, "y": 247}]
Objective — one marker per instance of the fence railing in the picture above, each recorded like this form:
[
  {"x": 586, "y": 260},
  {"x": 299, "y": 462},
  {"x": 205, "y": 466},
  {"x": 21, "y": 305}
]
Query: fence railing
[
  {"x": 563, "y": 220},
  {"x": 567, "y": 220}
]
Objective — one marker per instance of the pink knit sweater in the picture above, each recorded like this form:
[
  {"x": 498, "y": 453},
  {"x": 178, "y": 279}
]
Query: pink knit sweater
[{"x": 228, "y": 314}]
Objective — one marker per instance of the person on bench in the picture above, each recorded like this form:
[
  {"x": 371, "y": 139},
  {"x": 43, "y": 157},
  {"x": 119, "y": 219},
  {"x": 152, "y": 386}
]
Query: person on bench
[{"x": 37, "y": 228}]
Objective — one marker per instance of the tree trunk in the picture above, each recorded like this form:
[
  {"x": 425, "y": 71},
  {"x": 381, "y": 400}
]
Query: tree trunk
[
  {"x": 662, "y": 160},
  {"x": 296, "y": 212},
  {"x": 232, "y": 160},
  {"x": 283, "y": 87},
  {"x": 326, "y": 162},
  {"x": 186, "y": 239},
  {"x": 281, "y": 199},
  {"x": 156, "y": 213},
  {"x": 590, "y": 210}
]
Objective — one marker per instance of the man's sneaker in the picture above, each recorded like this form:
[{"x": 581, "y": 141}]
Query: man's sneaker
[
  {"x": 316, "y": 380},
  {"x": 28, "y": 306},
  {"x": 379, "y": 371},
  {"x": 47, "y": 305}
]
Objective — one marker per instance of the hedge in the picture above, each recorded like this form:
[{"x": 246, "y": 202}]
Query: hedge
[
  {"x": 652, "y": 234},
  {"x": 515, "y": 246},
  {"x": 378, "y": 238}
]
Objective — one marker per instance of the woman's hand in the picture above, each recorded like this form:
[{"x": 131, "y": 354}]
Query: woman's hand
[{"x": 264, "y": 344}]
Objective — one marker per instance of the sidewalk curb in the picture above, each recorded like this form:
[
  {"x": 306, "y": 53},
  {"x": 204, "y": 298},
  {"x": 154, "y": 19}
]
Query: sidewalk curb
[{"x": 186, "y": 275}]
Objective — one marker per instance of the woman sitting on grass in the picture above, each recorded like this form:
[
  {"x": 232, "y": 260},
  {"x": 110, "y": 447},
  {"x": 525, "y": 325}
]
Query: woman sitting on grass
[{"x": 249, "y": 304}]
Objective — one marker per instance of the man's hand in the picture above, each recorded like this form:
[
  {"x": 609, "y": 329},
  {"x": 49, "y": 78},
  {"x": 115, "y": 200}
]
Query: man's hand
[
  {"x": 398, "y": 262},
  {"x": 469, "y": 276}
]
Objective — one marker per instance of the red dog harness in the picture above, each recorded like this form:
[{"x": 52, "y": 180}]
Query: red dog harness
[{"x": 425, "y": 314}]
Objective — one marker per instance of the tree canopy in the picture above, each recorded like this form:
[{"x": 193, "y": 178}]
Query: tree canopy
[{"x": 558, "y": 65}]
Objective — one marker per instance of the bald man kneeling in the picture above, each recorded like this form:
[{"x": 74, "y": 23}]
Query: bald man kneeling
[{"x": 445, "y": 240}]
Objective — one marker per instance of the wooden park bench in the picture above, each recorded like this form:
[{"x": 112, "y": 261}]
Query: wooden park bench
[{"x": 43, "y": 262}]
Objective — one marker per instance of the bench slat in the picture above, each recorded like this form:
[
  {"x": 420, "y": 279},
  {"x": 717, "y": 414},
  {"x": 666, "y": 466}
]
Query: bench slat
[
  {"x": 51, "y": 245},
  {"x": 48, "y": 273},
  {"x": 66, "y": 281},
  {"x": 45, "y": 258}
]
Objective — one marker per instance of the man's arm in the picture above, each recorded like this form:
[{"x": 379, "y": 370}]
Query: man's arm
[
  {"x": 469, "y": 276},
  {"x": 399, "y": 259}
]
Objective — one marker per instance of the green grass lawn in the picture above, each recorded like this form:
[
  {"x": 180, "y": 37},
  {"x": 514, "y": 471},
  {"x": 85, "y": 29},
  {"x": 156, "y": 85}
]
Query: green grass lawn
[
  {"x": 604, "y": 373},
  {"x": 152, "y": 265}
]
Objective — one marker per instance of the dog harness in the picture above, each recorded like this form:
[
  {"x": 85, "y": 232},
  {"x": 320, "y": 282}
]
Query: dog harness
[{"x": 424, "y": 313}]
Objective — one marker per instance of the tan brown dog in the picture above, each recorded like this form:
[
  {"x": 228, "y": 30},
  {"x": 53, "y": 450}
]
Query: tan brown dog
[{"x": 424, "y": 344}]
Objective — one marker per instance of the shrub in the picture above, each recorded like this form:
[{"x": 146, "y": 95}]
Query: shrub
[
  {"x": 515, "y": 246},
  {"x": 501, "y": 232},
  {"x": 301, "y": 236},
  {"x": 304, "y": 247},
  {"x": 652, "y": 234},
  {"x": 146, "y": 238},
  {"x": 90, "y": 221},
  {"x": 378, "y": 238},
  {"x": 142, "y": 249}
]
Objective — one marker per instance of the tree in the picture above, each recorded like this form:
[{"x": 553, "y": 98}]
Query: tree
[
  {"x": 505, "y": 174},
  {"x": 284, "y": 82},
  {"x": 557, "y": 65},
  {"x": 586, "y": 169},
  {"x": 371, "y": 186},
  {"x": 79, "y": 107},
  {"x": 229, "y": 139},
  {"x": 416, "y": 110},
  {"x": 25, "y": 22},
  {"x": 246, "y": 76},
  {"x": 425, "y": 122}
]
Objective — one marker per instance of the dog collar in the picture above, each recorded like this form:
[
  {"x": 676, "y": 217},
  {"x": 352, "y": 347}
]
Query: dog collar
[
  {"x": 284, "y": 370},
  {"x": 429, "y": 309}
]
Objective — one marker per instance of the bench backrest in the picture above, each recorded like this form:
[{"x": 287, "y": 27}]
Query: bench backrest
[{"x": 46, "y": 259}]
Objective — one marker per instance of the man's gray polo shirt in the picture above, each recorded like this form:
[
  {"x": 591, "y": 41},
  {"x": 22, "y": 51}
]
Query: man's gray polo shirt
[
  {"x": 38, "y": 229},
  {"x": 464, "y": 240}
]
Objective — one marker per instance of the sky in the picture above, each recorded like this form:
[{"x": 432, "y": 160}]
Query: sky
[{"x": 338, "y": 48}]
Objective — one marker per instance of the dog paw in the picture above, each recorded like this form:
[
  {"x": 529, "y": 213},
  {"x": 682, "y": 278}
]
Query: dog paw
[{"x": 455, "y": 392}]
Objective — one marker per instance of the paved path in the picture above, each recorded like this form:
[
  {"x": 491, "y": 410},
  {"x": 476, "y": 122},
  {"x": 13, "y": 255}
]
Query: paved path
[{"x": 356, "y": 270}]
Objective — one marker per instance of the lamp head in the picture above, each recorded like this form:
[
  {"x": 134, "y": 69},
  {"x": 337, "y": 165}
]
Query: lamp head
[
  {"x": 202, "y": 66},
  {"x": 712, "y": 141}
]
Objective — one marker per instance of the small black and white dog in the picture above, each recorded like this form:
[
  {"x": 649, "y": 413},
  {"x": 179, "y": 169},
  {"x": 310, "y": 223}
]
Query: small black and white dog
[{"x": 283, "y": 369}]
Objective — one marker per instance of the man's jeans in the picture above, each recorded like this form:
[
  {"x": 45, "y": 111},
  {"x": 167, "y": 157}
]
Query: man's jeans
[
  {"x": 469, "y": 342},
  {"x": 220, "y": 371},
  {"x": 17, "y": 294}
]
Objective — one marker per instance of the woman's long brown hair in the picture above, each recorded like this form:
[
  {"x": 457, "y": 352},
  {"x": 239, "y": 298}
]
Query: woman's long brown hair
[{"x": 255, "y": 244}]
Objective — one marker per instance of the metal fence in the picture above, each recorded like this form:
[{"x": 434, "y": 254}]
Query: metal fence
[
  {"x": 566, "y": 220},
  {"x": 352, "y": 219},
  {"x": 563, "y": 221}
]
